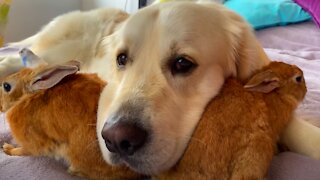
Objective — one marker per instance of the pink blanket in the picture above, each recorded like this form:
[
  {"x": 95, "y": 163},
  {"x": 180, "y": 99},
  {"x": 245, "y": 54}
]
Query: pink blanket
[{"x": 296, "y": 44}]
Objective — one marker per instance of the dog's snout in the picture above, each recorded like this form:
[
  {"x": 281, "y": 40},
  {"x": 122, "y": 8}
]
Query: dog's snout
[{"x": 124, "y": 138}]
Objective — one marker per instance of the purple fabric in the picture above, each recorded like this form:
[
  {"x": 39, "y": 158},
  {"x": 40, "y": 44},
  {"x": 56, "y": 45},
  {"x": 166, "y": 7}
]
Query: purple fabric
[
  {"x": 292, "y": 166},
  {"x": 311, "y": 6},
  {"x": 297, "y": 44}
]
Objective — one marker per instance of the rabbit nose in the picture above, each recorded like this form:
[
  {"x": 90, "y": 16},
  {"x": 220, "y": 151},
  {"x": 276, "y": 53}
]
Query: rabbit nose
[{"x": 124, "y": 138}]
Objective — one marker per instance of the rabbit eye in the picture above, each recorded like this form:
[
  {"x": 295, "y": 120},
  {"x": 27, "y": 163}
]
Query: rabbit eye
[
  {"x": 298, "y": 79},
  {"x": 6, "y": 86}
]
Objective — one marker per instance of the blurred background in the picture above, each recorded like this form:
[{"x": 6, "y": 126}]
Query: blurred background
[{"x": 26, "y": 17}]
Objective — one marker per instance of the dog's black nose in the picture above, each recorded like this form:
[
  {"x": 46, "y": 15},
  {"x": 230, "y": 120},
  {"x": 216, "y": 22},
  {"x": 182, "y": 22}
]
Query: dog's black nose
[{"x": 124, "y": 138}]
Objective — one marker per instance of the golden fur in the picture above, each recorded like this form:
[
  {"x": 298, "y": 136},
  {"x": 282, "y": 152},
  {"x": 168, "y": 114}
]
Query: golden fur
[
  {"x": 216, "y": 39},
  {"x": 58, "y": 122},
  {"x": 240, "y": 144}
]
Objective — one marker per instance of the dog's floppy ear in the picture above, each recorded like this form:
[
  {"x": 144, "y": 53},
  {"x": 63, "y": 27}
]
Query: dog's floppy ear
[
  {"x": 245, "y": 54},
  {"x": 51, "y": 76},
  {"x": 113, "y": 20},
  {"x": 248, "y": 54},
  {"x": 265, "y": 82},
  {"x": 113, "y": 17}
]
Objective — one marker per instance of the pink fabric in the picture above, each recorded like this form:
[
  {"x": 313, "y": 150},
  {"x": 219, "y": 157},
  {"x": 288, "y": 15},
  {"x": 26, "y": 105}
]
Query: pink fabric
[{"x": 311, "y": 6}]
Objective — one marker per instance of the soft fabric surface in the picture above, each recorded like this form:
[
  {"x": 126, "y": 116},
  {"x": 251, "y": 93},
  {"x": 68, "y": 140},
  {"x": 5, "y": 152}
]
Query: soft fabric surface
[
  {"x": 292, "y": 166},
  {"x": 267, "y": 13},
  {"x": 297, "y": 44},
  {"x": 311, "y": 6}
]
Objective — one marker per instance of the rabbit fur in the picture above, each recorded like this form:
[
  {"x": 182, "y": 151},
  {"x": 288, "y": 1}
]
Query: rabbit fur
[{"x": 52, "y": 111}]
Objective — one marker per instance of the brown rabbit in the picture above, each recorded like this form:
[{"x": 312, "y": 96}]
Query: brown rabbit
[
  {"x": 236, "y": 137},
  {"x": 52, "y": 112}
]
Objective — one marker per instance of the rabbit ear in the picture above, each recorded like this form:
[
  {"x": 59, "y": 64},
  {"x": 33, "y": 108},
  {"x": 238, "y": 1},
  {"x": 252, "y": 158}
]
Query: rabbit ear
[
  {"x": 29, "y": 59},
  {"x": 265, "y": 82},
  {"x": 52, "y": 76}
]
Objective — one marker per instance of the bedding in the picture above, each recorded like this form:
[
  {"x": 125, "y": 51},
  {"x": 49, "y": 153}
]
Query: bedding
[
  {"x": 296, "y": 44},
  {"x": 267, "y": 13},
  {"x": 311, "y": 6}
]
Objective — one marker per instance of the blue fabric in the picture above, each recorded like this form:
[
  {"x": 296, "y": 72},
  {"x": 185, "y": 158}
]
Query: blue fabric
[{"x": 266, "y": 13}]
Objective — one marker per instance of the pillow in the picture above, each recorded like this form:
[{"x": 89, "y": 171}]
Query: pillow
[
  {"x": 313, "y": 7},
  {"x": 266, "y": 13}
]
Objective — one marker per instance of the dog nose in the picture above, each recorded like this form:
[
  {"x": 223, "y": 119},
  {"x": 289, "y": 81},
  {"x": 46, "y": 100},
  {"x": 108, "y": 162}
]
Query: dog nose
[{"x": 124, "y": 138}]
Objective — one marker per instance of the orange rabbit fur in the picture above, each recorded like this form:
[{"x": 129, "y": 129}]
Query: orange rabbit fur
[
  {"x": 58, "y": 121},
  {"x": 236, "y": 137}
]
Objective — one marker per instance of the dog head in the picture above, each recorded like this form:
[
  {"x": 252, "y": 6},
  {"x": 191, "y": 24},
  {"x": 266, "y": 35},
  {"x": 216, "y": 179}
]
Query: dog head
[{"x": 163, "y": 66}]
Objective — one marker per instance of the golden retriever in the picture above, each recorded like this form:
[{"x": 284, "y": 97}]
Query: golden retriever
[{"x": 163, "y": 65}]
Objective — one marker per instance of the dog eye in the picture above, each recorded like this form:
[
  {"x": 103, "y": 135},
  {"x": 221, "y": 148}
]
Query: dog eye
[
  {"x": 122, "y": 59},
  {"x": 181, "y": 65},
  {"x": 6, "y": 86}
]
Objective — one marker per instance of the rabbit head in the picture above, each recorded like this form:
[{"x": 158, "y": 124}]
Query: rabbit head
[
  {"x": 37, "y": 76},
  {"x": 283, "y": 78}
]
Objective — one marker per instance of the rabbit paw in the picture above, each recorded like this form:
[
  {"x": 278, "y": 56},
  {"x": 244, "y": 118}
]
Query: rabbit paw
[
  {"x": 7, "y": 148},
  {"x": 74, "y": 172},
  {"x": 10, "y": 150}
]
